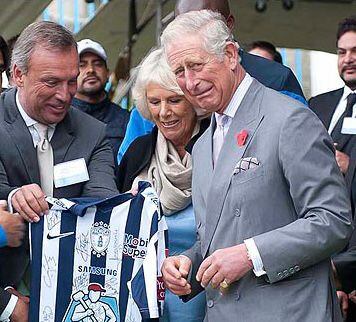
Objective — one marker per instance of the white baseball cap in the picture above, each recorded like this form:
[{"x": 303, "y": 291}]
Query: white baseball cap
[{"x": 88, "y": 45}]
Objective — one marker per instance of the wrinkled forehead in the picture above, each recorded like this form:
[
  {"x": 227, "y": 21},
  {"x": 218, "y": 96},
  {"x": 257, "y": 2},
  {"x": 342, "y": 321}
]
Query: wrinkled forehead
[{"x": 184, "y": 50}]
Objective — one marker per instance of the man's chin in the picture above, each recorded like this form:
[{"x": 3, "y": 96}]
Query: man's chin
[{"x": 350, "y": 82}]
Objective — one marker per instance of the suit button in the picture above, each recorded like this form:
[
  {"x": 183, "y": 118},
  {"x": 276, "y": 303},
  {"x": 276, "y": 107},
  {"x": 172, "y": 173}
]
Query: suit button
[
  {"x": 210, "y": 303},
  {"x": 279, "y": 275},
  {"x": 291, "y": 270},
  {"x": 297, "y": 268},
  {"x": 237, "y": 212},
  {"x": 285, "y": 273},
  {"x": 237, "y": 296}
]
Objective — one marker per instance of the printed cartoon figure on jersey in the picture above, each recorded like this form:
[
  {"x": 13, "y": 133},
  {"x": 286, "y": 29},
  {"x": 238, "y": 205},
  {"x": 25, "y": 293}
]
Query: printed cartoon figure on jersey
[{"x": 92, "y": 307}]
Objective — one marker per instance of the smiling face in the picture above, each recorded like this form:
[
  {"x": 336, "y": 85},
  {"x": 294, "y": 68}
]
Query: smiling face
[
  {"x": 172, "y": 113},
  {"x": 48, "y": 87},
  {"x": 346, "y": 53},
  {"x": 207, "y": 81}
]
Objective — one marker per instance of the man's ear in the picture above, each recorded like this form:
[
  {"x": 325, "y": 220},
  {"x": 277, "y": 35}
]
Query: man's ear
[
  {"x": 17, "y": 76},
  {"x": 230, "y": 21},
  {"x": 232, "y": 54}
]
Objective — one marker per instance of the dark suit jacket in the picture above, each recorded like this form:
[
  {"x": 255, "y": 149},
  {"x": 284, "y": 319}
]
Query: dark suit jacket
[
  {"x": 272, "y": 74},
  {"x": 77, "y": 136},
  {"x": 324, "y": 106}
]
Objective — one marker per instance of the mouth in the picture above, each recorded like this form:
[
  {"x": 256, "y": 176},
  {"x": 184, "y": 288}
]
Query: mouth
[
  {"x": 91, "y": 79},
  {"x": 349, "y": 69},
  {"x": 169, "y": 124},
  {"x": 205, "y": 93}
]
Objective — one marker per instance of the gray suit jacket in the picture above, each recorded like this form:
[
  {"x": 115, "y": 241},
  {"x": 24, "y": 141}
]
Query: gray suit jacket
[
  {"x": 77, "y": 136},
  {"x": 294, "y": 205}
]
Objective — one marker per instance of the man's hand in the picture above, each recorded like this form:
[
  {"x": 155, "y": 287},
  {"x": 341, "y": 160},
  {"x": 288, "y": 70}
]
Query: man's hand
[
  {"x": 342, "y": 160},
  {"x": 175, "y": 270},
  {"x": 229, "y": 264},
  {"x": 14, "y": 227},
  {"x": 29, "y": 201},
  {"x": 20, "y": 313},
  {"x": 344, "y": 303}
]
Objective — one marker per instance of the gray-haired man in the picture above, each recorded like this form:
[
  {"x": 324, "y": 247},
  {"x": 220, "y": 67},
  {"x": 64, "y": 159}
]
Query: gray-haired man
[
  {"x": 270, "y": 203},
  {"x": 46, "y": 148}
]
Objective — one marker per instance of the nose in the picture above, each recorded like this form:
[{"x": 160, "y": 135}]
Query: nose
[
  {"x": 164, "y": 109},
  {"x": 64, "y": 93},
  {"x": 191, "y": 81},
  {"x": 350, "y": 56}
]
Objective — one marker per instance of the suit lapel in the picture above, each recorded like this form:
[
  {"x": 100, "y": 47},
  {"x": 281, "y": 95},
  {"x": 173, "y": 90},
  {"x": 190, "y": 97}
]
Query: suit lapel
[
  {"x": 21, "y": 136},
  {"x": 246, "y": 118},
  {"x": 327, "y": 109},
  {"x": 62, "y": 139},
  {"x": 205, "y": 159}
]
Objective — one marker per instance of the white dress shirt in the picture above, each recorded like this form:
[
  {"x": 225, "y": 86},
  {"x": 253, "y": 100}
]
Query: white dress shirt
[
  {"x": 340, "y": 108},
  {"x": 230, "y": 112}
]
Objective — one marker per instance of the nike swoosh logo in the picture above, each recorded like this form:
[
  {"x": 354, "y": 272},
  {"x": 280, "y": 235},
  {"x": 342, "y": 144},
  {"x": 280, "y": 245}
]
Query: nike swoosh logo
[{"x": 59, "y": 235}]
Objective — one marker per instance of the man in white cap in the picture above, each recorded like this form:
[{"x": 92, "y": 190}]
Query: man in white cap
[{"x": 91, "y": 96}]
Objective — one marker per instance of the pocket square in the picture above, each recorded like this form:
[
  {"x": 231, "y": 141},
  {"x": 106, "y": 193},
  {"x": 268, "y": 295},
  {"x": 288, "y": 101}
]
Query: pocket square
[{"x": 245, "y": 164}]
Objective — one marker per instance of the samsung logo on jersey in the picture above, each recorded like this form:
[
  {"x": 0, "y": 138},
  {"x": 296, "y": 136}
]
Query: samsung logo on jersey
[{"x": 97, "y": 270}]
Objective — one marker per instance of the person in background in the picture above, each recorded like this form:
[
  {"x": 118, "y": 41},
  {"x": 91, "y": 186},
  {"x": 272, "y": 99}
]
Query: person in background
[
  {"x": 266, "y": 50},
  {"x": 4, "y": 59},
  {"x": 91, "y": 96},
  {"x": 269, "y": 73},
  {"x": 333, "y": 108},
  {"x": 11, "y": 233},
  {"x": 160, "y": 157}
]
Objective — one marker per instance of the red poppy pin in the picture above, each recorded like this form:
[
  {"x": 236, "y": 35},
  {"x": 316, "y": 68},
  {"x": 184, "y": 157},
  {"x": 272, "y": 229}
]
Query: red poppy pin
[{"x": 242, "y": 137}]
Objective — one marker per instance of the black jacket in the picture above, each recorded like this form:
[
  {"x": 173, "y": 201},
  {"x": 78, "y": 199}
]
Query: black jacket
[
  {"x": 112, "y": 115},
  {"x": 139, "y": 155}
]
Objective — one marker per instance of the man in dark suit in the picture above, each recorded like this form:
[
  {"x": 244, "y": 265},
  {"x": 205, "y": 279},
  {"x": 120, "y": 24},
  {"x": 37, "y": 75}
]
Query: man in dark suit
[
  {"x": 46, "y": 148},
  {"x": 333, "y": 108}
]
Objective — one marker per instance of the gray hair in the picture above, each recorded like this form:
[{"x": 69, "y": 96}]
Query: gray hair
[
  {"x": 46, "y": 34},
  {"x": 153, "y": 69},
  {"x": 209, "y": 25}
]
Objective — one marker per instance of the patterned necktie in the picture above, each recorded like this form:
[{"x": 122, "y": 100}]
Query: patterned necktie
[
  {"x": 336, "y": 132},
  {"x": 45, "y": 159},
  {"x": 219, "y": 134}
]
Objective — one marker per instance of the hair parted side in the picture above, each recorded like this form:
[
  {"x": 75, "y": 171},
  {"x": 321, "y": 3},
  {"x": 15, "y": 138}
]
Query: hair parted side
[
  {"x": 153, "y": 69},
  {"x": 209, "y": 25},
  {"x": 46, "y": 34}
]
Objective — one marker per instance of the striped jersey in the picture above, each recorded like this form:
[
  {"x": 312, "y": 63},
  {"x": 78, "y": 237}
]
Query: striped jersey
[{"x": 99, "y": 260}]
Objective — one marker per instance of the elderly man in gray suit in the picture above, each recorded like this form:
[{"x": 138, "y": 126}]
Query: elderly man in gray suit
[
  {"x": 270, "y": 203},
  {"x": 46, "y": 147}
]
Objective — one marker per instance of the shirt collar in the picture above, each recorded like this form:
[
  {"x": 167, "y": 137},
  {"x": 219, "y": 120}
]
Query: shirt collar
[
  {"x": 29, "y": 121},
  {"x": 238, "y": 96},
  {"x": 347, "y": 92}
]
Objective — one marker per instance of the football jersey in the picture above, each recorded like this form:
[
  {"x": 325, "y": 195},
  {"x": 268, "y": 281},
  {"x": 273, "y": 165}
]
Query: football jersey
[{"x": 99, "y": 260}]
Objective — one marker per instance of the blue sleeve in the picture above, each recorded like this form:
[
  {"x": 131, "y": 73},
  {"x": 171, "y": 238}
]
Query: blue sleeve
[
  {"x": 295, "y": 96},
  {"x": 3, "y": 238},
  {"x": 136, "y": 127}
]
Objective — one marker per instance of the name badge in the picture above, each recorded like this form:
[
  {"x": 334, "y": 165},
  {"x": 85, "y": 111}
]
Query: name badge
[
  {"x": 349, "y": 125},
  {"x": 71, "y": 172}
]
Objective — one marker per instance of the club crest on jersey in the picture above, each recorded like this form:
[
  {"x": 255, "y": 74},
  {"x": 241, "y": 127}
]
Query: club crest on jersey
[{"x": 99, "y": 238}]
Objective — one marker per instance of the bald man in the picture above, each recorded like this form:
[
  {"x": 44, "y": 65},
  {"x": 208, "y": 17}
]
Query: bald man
[{"x": 269, "y": 73}]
